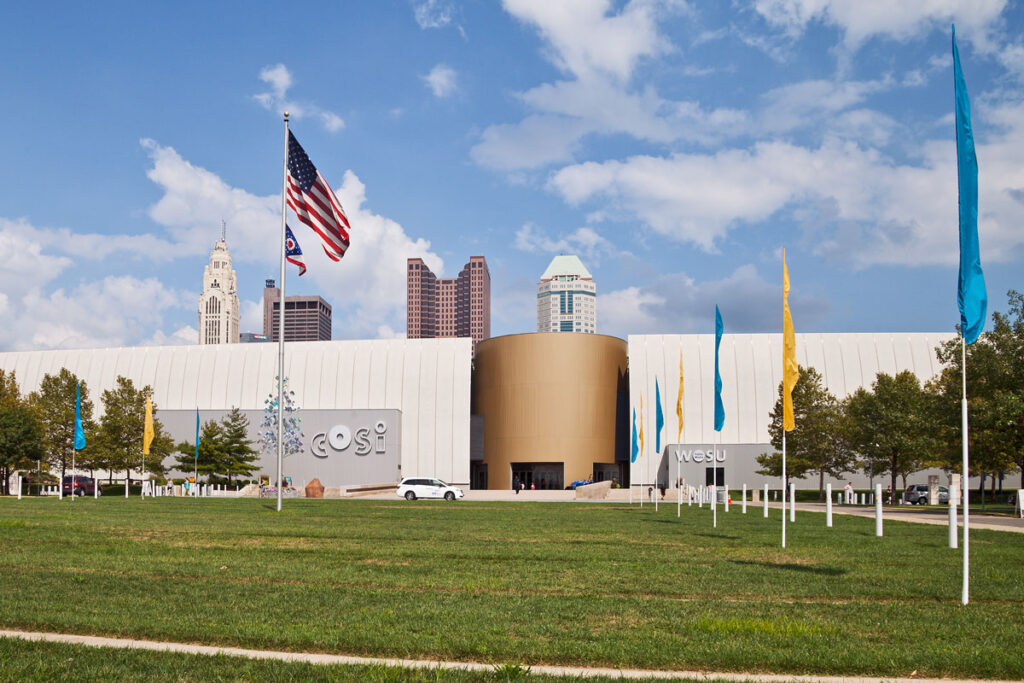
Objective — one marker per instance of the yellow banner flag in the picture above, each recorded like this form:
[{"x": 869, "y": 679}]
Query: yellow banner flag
[
  {"x": 641, "y": 425},
  {"x": 679, "y": 399},
  {"x": 147, "y": 432},
  {"x": 790, "y": 371}
]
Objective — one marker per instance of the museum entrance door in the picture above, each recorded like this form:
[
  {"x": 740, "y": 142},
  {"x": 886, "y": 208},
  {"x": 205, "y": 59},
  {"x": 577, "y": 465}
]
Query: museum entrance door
[{"x": 545, "y": 475}]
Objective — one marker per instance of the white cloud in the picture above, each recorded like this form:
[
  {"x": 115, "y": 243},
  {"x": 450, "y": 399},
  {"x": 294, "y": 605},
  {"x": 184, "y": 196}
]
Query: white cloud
[
  {"x": 280, "y": 80},
  {"x": 195, "y": 201},
  {"x": 433, "y": 13},
  {"x": 441, "y": 80},
  {"x": 114, "y": 311},
  {"x": 860, "y": 20},
  {"x": 586, "y": 38},
  {"x": 798, "y": 104},
  {"x": 867, "y": 208},
  {"x": 676, "y": 303},
  {"x": 585, "y": 241},
  {"x": 184, "y": 335},
  {"x": 367, "y": 289}
]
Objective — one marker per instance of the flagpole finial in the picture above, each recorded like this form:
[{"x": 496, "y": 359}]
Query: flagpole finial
[{"x": 286, "y": 116}]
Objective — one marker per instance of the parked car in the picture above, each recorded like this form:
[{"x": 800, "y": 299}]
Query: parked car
[
  {"x": 412, "y": 488},
  {"x": 917, "y": 494},
  {"x": 84, "y": 486}
]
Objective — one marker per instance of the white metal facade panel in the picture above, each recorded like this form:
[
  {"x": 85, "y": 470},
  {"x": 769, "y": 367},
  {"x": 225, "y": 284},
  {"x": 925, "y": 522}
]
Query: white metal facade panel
[
  {"x": 427, "y": 379},
  {"x": 751, "y": 368}
]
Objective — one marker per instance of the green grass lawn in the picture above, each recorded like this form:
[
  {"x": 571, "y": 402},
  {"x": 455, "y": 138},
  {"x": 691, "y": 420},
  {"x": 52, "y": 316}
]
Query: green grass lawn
[{"x": 525, "y": 583}]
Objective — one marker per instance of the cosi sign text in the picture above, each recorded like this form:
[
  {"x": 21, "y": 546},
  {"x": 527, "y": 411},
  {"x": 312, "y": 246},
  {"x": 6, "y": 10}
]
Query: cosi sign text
[{"x": 339, "y": 438}]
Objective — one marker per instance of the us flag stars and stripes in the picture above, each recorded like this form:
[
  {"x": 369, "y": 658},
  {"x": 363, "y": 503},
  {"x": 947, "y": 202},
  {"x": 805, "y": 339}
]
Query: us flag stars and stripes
[
  {"x": 292, "y": 251},
  {"x": 313, "y": 201}
]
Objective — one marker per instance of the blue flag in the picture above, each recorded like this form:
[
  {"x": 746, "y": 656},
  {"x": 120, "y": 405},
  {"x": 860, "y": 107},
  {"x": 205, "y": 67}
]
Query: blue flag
[
  {"x": 719, "y": 407},
  {"x": 79, "y": 432},
  {"x": 971, "y": 296},
  {"x": 659, "y": 417},
  {"x": 635, "y": 448}
]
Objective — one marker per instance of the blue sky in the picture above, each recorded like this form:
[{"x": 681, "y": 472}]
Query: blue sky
[{"x": 675, "y": 145}]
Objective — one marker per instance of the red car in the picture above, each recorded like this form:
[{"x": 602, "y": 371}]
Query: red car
[{"x": 84, "y": 486}]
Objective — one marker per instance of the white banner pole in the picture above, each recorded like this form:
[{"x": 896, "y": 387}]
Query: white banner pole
[
  {"x": 828, "y": 505},
  {"x": 878, "y": 509},
  {"x": 783, "y": 487},
  {"x": 965, "y": 595}
]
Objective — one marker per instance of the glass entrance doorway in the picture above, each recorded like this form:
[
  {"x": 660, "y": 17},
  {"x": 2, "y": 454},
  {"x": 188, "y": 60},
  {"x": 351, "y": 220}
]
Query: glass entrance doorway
[
  {"x": 539, "y": 475},
  {"x": 711, "y": 474}
]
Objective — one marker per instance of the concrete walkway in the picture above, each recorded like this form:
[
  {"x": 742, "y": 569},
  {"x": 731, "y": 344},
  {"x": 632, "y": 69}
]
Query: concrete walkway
[{"x": 324, "y": 659}]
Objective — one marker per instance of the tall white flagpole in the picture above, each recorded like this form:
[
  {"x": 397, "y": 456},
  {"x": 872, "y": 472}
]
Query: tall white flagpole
[
  {"x": 965, "y": 597},
  {"x": 280, "y": 325},
  {"x": 784, "y": 487}
]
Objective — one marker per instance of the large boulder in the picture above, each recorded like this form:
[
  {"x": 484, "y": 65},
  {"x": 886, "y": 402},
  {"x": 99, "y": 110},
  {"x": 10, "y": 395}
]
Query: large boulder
[{"x": 314, "y": 489}]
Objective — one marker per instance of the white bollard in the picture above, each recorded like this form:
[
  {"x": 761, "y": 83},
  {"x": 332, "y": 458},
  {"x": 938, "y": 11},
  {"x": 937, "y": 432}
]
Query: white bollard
[
  {"x": 878, "y": 509},
  {"x": 126, "y": 487},
  {"x": 828, "y": 505},
  {"x": 765, "y": 499},
  {"x": 19, "y": 487},
  {"x": 95, "y": 489},
  {"x": 952, "y": 522},
  {"x": 714, "y": 505},
  {"x": 792, "y": 502},
  {"x": 744, "y": 499},
  {"x": 726, "y": 497},
  {"x": 60, "y": 489}
]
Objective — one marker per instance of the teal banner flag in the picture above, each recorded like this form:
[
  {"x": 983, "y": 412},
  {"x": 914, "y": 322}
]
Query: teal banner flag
[
  {"x": 719, "y": 406},
  {"x": 971, "y": 296},
  {"x": 659, "y": 417},
  {"x": 79, "y": 432},
  {"x": 635, "y": 448}
]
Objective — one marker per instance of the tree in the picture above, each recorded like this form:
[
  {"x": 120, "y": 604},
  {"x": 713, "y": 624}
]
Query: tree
[
  {"x": 211, "y": 451},
  {"x": 239, "y": 457},
  {"x": 817, "y": 443},
  {"x": 20, "y": 441},
  {"x": 121, "y": 428},
  {"x": 889, "y": 426},
  {"x": 54, "y": 406},
  {"x": 995, "y": 393}
]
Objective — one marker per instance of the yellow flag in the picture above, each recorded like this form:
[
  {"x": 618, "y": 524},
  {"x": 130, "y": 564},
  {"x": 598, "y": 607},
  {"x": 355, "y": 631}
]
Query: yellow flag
[
  {"x": 147, "y": 432},
  {"x": 679, "y": 399},
  {"x": 790, "y": 372},
  {"x": 641, "y": 425}
]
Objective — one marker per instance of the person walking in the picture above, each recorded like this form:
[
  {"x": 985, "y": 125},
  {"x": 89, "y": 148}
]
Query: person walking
[{"x": 516, "y": 485}]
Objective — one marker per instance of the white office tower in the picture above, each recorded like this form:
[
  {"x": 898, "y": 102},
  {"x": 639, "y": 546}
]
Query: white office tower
[
  {"x": 219, "y": 309},
  {"x": 566, "y": 297}
]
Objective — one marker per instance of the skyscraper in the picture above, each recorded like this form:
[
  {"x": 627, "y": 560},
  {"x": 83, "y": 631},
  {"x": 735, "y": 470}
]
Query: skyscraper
[
  {"x": 219, "y": 309},
  {"x": 566, "y": 297},
  {"x": 449, "y": 307},
  {"x": 307, "y": 318}
]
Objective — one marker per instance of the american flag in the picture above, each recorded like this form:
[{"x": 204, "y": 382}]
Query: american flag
[
  {"x": 313, "y": 201},
  {"x": 292, "y": 251}
]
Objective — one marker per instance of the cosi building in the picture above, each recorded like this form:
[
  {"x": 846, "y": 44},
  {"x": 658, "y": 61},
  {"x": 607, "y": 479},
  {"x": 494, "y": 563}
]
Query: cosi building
[{"x": 545, "y": 409}]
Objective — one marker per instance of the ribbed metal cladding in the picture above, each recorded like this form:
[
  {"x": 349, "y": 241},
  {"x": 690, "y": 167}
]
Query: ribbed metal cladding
[{"x": 549, "y": 397}]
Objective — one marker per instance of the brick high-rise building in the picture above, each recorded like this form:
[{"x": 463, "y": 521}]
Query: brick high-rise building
[
  {"x": 449, "y": 307},
  {"x": 308, "y": 318}
]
